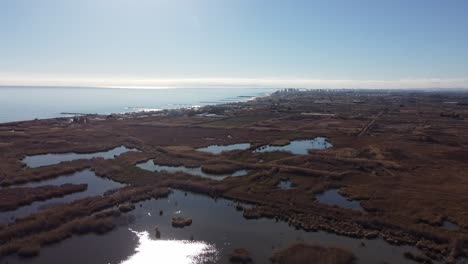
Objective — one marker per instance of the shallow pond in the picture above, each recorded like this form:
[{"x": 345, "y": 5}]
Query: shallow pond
[
  {"x": 35, "y": 161},
  {"x": 333, "y": 197},
  {"x": 285, "y": 185},
  {"x": 151, "y": 166},
  {"x": 450, "y": 225},
  {"x": 300, "y": 147},
  {"x": 217, "y": 149},
  {"x": 216, "y": 230},
  {"x": 96, "y": 186}
]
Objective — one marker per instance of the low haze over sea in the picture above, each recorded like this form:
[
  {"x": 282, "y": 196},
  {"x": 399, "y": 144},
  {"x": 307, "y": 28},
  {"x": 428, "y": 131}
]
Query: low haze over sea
[{"x": 27, "y": 103}]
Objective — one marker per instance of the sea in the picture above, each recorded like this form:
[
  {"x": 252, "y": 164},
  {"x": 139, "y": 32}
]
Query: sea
[{"x": 28, "y": 103}]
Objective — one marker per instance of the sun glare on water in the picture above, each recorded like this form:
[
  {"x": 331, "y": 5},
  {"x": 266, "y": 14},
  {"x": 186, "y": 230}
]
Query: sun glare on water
[{"x": 170, "y": 251}]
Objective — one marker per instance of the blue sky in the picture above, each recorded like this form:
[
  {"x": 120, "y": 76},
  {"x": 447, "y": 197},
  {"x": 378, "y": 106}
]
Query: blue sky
[{"x": 200, "y": 43}]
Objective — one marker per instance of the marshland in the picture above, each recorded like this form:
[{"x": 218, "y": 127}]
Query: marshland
[{"x": 379, "y": 181}]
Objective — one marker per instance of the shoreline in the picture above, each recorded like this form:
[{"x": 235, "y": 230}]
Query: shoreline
[
  {"x": 137, "y": 109},
  {"x": 243, "y": 98}
]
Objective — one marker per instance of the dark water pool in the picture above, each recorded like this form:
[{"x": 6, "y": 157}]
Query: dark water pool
[
  {"x": 333, "y": 197},
  {"x": 35, "y": 161},
  {"x": 216, "y": 230},
  {"x": 450, "y": 225},
  {"x": 96, "y": 186},
  {"x": 300, "y": 147},
  {"x": 151, "y": 166}
]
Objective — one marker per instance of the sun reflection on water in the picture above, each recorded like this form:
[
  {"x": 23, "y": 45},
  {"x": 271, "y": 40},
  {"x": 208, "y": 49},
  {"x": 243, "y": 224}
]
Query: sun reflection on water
[{"x": 171, "y": 251}]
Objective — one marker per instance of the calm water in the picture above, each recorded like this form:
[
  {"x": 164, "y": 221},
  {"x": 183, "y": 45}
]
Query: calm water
[
  {"x": 27, "y": 103},
  {"x": 96, "y": 186},
  {"x": 55, "y": 158},
  {"x": 216, "y": 230},
  {"x": 450, "y": 226},
  {"x": 300, "y": 147},
  {"x": 333, "y": 197},
  {"x": 285, "y": 185},
  {"x": 217, "y": 149},
  {"x": 151, "y": 166}
]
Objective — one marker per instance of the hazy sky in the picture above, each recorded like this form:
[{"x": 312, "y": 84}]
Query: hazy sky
[{"x": 329, "y": 43}]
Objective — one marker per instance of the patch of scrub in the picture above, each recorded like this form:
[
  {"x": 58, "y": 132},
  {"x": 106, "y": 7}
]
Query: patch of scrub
[
  {"x": 197, "y": 171},
  {"x": 300, "y": 147},
  {"x": 333, "y": 197},
  {"x": 217, "y": 149},
  {"x": 217, "y": 229},
  {"x": 96, "y": 186},
  {"x": 450, "y": 225},
  {"x": 285, "y": 185},
  {"x": 35, "y": 161}
]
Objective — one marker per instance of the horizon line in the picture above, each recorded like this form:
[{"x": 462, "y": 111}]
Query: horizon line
[
  {"x": 230, "y": 82},
  {"x": 247, "y": 87}
]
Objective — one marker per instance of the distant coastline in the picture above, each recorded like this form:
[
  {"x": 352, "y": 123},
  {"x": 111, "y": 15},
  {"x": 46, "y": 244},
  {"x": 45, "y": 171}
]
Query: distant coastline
[{"x": 23, "y": 103}]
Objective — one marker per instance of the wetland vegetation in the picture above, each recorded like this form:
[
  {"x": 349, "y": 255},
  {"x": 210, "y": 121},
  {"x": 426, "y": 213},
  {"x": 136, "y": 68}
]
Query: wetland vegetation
[{"x": 391, "y": 189}]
